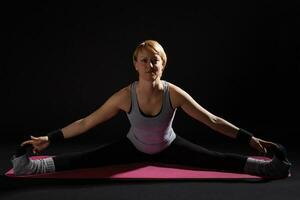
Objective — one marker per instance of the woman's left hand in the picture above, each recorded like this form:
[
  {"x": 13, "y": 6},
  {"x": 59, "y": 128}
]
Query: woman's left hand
[{"x": 260, "y": 145}]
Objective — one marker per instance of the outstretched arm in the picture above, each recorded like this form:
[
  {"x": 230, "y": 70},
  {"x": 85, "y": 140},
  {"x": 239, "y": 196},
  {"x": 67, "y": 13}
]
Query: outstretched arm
[
  {"x": 182, "y": 99},
  {"x": 108, "y": 110},
  {"x": 118, "y": 101}
]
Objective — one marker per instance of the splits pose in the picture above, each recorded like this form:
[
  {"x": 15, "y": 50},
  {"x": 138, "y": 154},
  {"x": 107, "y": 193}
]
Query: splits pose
[{"x": 150, "y": 104}]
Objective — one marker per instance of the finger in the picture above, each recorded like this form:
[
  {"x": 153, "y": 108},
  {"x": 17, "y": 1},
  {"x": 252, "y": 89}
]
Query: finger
[
  {"x": 34, "y": 138},
  {"x": 261, "y": 148},
  {"x": 265, "y": 151},
  {"x": 268, "y": 144},
  {"x": 26, "y": 142}
]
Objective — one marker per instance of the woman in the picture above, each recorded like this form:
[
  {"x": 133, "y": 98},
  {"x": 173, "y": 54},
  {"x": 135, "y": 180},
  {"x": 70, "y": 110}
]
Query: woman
[{"x": 150, "y": 104}]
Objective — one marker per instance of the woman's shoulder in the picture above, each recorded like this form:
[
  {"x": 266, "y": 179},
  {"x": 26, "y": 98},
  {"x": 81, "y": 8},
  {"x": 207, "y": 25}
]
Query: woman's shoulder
[
  {"x": 125, "y": 91},
  {"x": 123, "y": 98},
  {"x": 176, "y": 95},
  {"x": 173, "y": 88}
]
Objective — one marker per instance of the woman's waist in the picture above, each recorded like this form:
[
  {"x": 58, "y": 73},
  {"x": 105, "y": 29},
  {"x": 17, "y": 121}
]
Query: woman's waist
[{"x": 152, "y": 136}]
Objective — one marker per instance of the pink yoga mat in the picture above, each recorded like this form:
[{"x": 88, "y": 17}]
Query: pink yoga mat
[{"x": 138, "y": 171}]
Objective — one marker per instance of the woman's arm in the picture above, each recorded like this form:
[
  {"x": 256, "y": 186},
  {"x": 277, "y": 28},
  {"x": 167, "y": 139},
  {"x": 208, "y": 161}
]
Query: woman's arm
[
  {"x": 180, "y": 98},
  {"x": 118, "y": 101}
]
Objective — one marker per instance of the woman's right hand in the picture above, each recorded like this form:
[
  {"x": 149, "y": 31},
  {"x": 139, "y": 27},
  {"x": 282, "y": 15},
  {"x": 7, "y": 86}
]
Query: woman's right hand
[{"x": 38, "y": 143}]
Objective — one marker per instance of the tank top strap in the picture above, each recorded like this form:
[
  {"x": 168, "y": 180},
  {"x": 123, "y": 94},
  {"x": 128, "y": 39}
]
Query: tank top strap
[
  {"x": 167, "y": 100},
  {"x": 133, "y": 95}
]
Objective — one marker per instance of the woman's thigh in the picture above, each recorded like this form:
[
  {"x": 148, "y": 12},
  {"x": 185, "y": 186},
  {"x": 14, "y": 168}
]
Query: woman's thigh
[
  {"x": 184, "y": 152},
  {"x": 118, "y": 152}
]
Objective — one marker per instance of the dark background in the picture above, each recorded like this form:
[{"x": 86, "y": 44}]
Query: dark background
[
  {"x": 61, "y": 61},
  {"x": 239, "y": 60}
]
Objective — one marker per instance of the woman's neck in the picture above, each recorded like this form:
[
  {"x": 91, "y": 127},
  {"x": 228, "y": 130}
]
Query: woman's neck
[{"x": 149, "y": 88}]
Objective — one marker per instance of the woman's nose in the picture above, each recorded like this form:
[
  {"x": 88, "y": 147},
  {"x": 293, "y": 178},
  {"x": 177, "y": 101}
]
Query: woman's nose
[{"x": 150, "y": 65}]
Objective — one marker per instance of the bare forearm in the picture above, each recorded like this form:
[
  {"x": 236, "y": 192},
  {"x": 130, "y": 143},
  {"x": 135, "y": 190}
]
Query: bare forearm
[
  {"x": 225, "y": 127},
  {"x": 76, "y": 128}
]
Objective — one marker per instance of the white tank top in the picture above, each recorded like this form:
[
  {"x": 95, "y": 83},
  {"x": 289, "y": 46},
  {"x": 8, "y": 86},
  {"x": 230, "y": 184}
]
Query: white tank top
[{"x": 151, "y": 134}]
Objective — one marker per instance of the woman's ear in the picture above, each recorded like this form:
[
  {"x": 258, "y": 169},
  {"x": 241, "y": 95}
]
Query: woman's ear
[{"x": 135, "y": 67}]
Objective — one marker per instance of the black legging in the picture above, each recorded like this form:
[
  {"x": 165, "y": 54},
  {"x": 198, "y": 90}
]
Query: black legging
[{"x": 180, "y": 152}]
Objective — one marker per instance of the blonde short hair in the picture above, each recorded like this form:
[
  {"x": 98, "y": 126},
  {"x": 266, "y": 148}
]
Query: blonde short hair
[{"x": 153, "y": 46}]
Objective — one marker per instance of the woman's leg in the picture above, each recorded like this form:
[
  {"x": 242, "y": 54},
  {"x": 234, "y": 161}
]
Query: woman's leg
[
  {"x": 184, "y": 152},
  {"x": 121, "y": 151}
]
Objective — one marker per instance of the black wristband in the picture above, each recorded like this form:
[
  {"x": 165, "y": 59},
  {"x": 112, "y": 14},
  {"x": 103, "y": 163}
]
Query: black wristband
[
  {"x": 55, "y": 136},
  {"x": 243, "y": 136}
]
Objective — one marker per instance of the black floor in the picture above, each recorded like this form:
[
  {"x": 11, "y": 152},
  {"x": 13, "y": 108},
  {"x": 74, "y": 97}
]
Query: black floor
[{"x": 167, "y": 189}]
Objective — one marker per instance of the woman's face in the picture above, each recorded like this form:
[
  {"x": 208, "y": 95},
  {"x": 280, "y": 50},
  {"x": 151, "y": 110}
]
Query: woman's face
[{"x": 149, "y": 65}]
